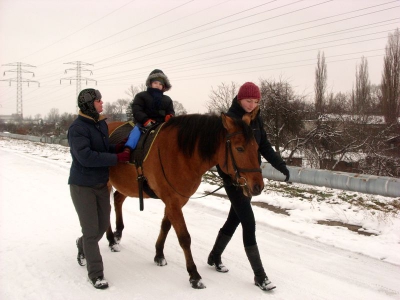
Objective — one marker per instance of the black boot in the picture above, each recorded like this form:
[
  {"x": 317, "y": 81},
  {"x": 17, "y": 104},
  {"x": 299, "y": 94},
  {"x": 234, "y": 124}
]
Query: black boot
[
  {"x": 214, "y": 259},
  {"x": 260, "y": 278}
]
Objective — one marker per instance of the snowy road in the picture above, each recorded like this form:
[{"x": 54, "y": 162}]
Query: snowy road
[{"x": 38, "y": 228}]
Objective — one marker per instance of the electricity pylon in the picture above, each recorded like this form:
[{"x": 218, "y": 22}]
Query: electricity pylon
[
  {"x": 19, "y": 80},
  {"x": 78, "y": 77}
]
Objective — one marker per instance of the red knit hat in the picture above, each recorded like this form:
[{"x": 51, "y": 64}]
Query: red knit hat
[{"x": 249, "y": 91}]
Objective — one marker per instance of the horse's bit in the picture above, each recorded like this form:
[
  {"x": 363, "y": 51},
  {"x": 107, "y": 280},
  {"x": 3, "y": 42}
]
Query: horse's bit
[{"x": 235, "y": 167}]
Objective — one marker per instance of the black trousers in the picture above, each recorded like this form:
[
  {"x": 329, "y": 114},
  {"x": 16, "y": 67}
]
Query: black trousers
[
  {"x": 240, "y": 212},
  {"x": 93, "y": 207}
]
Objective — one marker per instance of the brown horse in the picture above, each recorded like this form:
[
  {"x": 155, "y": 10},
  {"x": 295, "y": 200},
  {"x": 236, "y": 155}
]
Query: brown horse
[{"x": 185, "y": 148}]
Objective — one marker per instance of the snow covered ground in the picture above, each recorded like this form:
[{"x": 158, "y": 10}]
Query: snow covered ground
[{"x": 306, "y": 260}]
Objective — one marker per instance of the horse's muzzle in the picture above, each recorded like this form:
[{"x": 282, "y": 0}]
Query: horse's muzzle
[{"x": 256, "y": 190}]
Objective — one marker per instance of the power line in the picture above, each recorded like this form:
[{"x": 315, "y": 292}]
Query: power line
[
  {"x": 240, "y": 27},
  {"x": 191, "y": 29},
  {"x": 119, "y": 32},
  {"x": 168, "y": 23},
  {"x": 202, "y": 60},
  {"x": 100, "y": 19},
  {"x": 264, "y": 47}
]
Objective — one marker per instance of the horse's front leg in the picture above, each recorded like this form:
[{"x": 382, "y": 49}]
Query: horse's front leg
[
  {"x": 159, "y": 259},
  {"x": 177, "y": 220},
  {"x": 114, "y": 238}
]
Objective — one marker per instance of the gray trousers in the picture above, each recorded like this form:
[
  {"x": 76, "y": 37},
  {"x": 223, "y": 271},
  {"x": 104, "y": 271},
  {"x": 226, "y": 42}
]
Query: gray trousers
[{"x": 93, "y": 207}]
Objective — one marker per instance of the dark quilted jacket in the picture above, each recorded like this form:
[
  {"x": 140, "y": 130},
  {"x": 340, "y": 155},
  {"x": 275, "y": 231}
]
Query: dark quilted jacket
[
  {"x": 142, "y": 108},
  {"x": 90, "y": 151}
]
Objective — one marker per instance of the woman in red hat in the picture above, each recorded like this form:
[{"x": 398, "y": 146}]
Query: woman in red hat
[{"x": 241, "y": 212}]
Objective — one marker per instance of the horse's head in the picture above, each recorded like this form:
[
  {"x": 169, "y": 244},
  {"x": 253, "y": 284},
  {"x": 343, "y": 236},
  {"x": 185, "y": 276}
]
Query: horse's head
[{"x": 240, "y": 158}]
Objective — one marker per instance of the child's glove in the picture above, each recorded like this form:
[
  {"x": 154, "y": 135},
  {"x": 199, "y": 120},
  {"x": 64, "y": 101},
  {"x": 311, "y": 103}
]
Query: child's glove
[
  {"x": 167, "y": 117},
  {"x": 148, "y": 123}
]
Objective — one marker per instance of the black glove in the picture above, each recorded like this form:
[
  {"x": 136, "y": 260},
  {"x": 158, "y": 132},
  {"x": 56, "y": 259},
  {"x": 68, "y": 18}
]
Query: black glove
[{"x": 284, "y": 170}]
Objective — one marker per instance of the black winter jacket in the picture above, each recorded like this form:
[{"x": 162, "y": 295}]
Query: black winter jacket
[
  {"x": 90, "y": 151},
  {"x": 143, "y": 108},
  {"x": 265, "y": 149}
]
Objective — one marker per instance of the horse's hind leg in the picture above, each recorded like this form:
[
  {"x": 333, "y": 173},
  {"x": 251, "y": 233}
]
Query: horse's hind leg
[
  {"x": 177, "y": 220},
  {"x": 159, "y": 259},
  {"x": 115, "y": 237}
]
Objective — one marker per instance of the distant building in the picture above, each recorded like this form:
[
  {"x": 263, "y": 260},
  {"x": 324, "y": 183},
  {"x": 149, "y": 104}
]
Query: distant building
[{"x": 14, "y": 118}]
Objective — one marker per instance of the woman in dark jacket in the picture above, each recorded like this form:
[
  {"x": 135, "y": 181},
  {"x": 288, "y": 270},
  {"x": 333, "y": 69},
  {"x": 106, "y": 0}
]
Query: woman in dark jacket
[
  {"x": 241, "y": 211},
  {"x": 91, "y": 157},
  {"x": 150, "y": 106}
]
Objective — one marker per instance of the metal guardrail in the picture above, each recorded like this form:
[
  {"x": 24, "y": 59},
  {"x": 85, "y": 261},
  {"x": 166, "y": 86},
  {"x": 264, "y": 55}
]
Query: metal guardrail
[
  {"x": 368, "y": 184},
  {"x": 38, "y": 139}
]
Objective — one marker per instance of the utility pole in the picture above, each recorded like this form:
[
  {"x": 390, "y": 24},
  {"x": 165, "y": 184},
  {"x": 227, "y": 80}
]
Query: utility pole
[
  {"x": 78, "y": 77},
  {"x": 19, "y": 80}
]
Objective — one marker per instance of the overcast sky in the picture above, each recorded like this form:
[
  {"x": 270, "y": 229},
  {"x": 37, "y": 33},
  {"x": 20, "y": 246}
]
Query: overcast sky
[{"x": 199, "y": 44}]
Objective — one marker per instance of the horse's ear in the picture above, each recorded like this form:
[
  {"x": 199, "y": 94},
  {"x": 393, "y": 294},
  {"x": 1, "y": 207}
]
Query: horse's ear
[
  {"x": 227, "y": 121},
  {"x": 247, "y": 118},
  {"x": 254, "y": 113}
]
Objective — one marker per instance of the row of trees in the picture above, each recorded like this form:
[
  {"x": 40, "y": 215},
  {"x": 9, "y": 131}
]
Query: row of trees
[
  {"x": 365, "y": 98},
  {"x": 353, "y": 127},
  {"x": 55, "y": 123}
]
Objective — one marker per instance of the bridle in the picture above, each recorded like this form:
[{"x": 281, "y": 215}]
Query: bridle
[{"x": 236, "y": 169}]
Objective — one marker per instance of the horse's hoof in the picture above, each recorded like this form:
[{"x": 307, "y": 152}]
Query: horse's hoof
[
  {"x": 197, "y": 284},
  {"x": 160, "y": 261},
  {"x": 115, "y": 248},
  {"x": 117, "y": 237}
]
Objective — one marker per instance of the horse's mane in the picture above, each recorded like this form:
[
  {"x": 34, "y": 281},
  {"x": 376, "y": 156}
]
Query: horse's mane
[{"x": 207, "y": 130}]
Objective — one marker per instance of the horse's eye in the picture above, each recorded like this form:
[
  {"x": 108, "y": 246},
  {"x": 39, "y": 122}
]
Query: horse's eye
[{"x": 240, "y": 149}]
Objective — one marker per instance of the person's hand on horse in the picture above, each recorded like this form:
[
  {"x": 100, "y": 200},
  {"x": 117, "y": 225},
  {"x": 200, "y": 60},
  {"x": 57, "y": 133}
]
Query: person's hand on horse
[
  {"x": 284, "y": 170},
  {"x": 148, "y": 123},
  {"x": 120, "y": 146},
  {"x": 167, "y": 117},
  {"x": 123, "y": 156}
]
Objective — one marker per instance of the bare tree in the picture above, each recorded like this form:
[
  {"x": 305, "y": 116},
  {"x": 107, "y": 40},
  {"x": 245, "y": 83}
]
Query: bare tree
[
  {"x": 179, "y": 109},
  {"x": 281, "y": 111},
  {"x": 378, "y": 157},
  {"x": 338, "y": 103},
  {"x": 320, "y": 82},
  {"x": 53, "y": 116},
  {"x": 131, "y": 92},
  {"x": 390, "y": 83},
  {"x": 221, "y": 97},
  {"x": 376, "y": 96},
  {"x": 109, "y": 110},
  {"x": 120, "y": 107},
  {"x": 362, "y": 93}
]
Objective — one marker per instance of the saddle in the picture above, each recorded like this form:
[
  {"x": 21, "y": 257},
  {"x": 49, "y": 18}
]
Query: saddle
[{"x": 139, "y": 155}]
